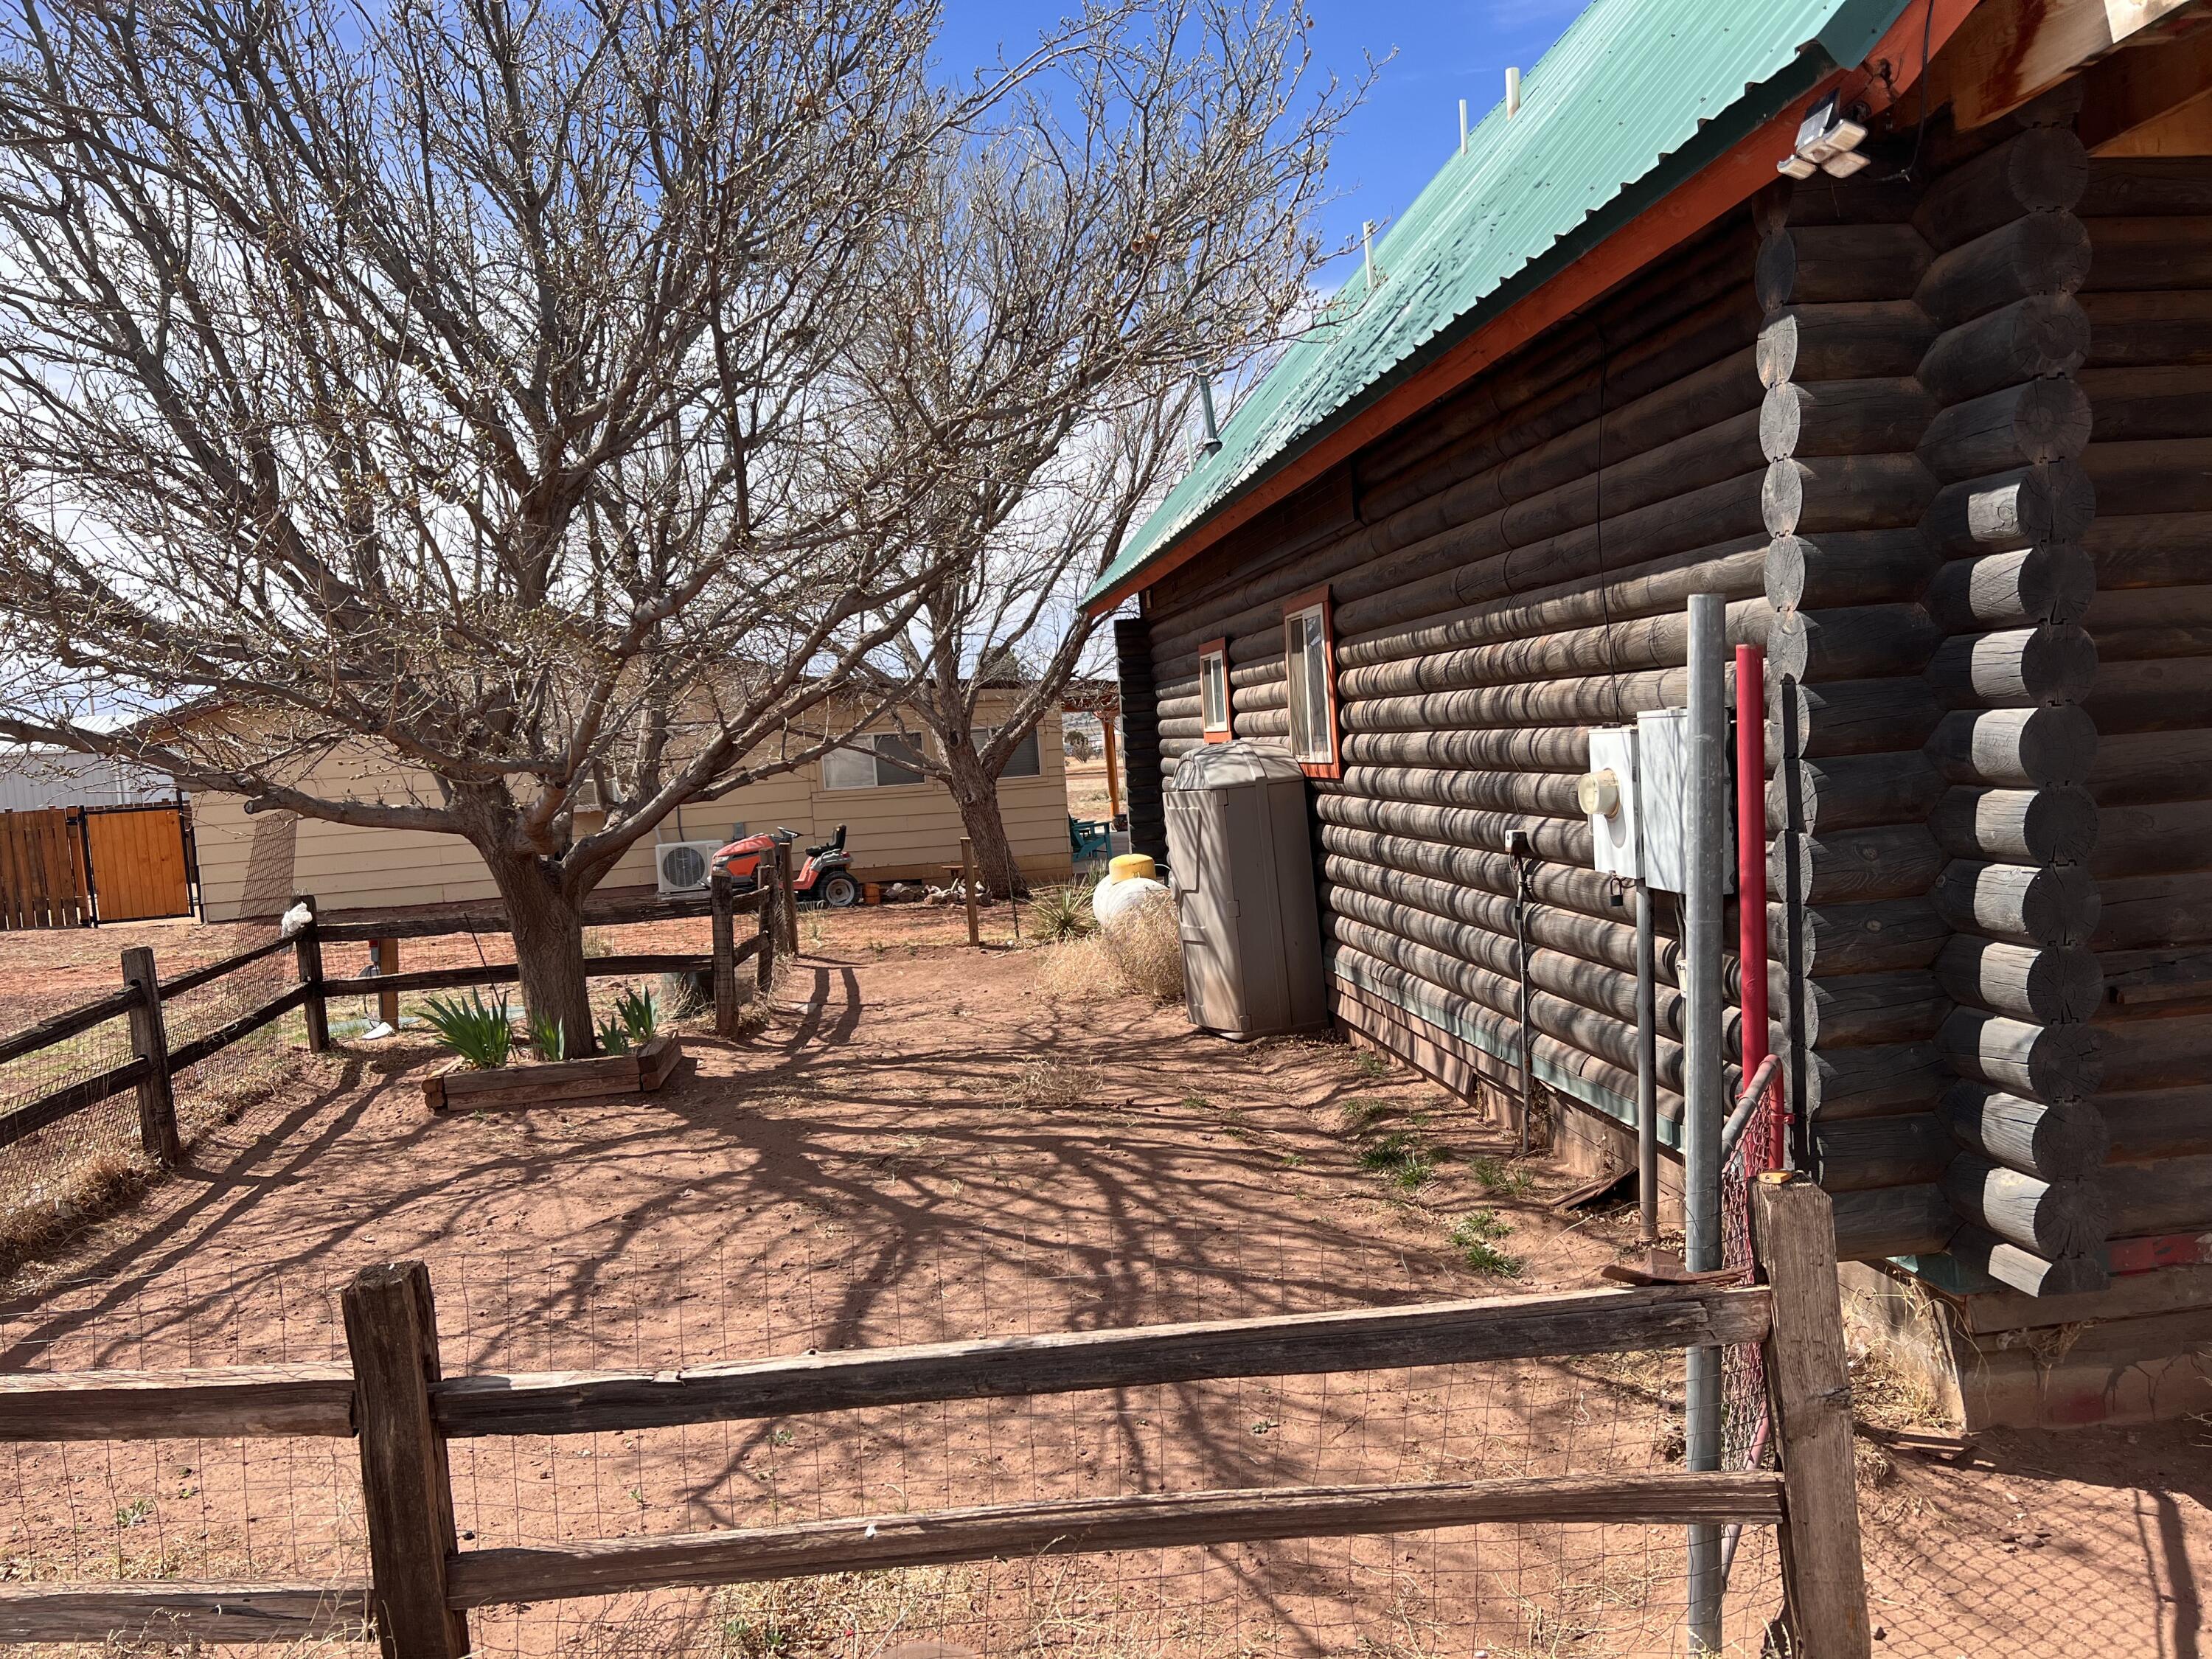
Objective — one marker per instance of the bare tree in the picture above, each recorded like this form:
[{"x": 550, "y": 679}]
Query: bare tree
[
  {"x": 464, "y": 387},
  {"x": 1148, "y": 214}
]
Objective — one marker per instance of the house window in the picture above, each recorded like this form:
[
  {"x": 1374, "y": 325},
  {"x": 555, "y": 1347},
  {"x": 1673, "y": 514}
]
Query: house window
[
  {"x": 881, "y": 762},
  {"x": 1213, "y": 690},
  {"x": 1311, "y": 682},
  {"x": 1026, "y": 762}
]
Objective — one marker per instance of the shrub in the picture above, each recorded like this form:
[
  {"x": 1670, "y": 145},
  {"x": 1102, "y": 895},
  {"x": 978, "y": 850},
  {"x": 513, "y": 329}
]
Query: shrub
[
  {"x": 483, "y": 1036},
  {"x": 640, "y": 1014},
  {"x": 1145, "y": 944}
]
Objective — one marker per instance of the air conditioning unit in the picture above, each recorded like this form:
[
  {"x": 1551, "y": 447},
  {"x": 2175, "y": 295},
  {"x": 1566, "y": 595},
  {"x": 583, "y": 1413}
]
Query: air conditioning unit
[{"x": 682, "y": 867}]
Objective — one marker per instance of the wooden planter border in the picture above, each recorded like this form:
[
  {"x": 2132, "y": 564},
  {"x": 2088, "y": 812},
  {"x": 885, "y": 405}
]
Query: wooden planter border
[{"x": 564, "y": 1081}]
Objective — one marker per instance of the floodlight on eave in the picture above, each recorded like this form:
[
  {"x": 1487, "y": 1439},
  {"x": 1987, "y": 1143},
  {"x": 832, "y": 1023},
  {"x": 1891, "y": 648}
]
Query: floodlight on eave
[{"x": 1828, "y": 142}]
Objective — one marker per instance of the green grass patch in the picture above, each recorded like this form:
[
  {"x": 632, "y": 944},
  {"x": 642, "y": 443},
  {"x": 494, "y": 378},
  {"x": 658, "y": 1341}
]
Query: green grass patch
[
  {"x": 1495, "y": 1174},
  {"x": 1369, "y": 1065},
  {"x": 1361, "y": 1113},
  {"x": 1401, "y": 1159},
  {"x": 1476, "y": 1235}
]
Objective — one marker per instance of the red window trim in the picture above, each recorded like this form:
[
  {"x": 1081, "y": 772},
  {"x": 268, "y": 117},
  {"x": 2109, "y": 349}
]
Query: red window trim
[
  {"x": 1333, "y": 766},
  {"x": 1216, "y": 733}
]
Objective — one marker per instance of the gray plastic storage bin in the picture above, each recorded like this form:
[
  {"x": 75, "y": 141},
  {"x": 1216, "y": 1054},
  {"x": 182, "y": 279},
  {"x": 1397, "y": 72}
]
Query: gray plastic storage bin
[{"x": 1242, "y": 869}]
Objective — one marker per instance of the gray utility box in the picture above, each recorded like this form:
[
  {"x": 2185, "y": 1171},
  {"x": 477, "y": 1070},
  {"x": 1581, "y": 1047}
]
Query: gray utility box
[{"x": 1242, "y": 863}]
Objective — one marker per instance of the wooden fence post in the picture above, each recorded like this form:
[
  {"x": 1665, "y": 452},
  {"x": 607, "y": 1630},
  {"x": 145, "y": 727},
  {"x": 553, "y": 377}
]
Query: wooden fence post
[
  {"x": 771, "y": 881},
  {"x": 386, "y": 952},
  {"x": 968, "y": 887},
  {"x": 725, "y": 955},
  {"x": 788, "y": 914},
  {"x": 307, "y": 952},
  {"x": 407, "y": 1495},
  {"x": 150, "y": 1040},
  {"x": 1809, "y": 1393}
]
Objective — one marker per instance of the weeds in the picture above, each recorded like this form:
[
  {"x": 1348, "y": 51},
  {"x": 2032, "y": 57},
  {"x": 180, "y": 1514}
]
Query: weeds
[
  {"x": 1495, "y": 1174},
  {"x": 1476, "y": 1235},
  {"x": 1051, "y": 1085},
  {"x": 1401, "y": 1157},
  {"x": 1361, "y": 1113},
  {"x": 598, "y": 942},
  {"x": 1367, "y": 1064}
]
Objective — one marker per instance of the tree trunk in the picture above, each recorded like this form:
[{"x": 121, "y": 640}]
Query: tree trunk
[
  {"x": 976, "y": 794},
  {"x": 549, "y": 945}
]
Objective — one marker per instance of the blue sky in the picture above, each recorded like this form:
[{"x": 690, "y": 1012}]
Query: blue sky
[{"x": 1446, "y": 50}]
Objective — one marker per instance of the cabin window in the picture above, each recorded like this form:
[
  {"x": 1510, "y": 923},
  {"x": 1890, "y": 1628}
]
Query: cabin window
[
  {"x": 1026, "y": 762},
  {"x": 1213, "y": 690},
  {"x": 874, "y": 763},
  {"x": 1310, "y": 675}
]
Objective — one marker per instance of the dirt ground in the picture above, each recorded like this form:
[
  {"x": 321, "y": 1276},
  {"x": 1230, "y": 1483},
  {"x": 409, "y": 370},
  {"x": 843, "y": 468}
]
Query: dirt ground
[{"x": 927, "y": 1141}]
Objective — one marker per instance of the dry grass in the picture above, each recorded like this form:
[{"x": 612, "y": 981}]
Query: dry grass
[
  {"x": 1047, "y": 1086},
  {"x": 92, "y": 1191},
  {"x": 1141, "y": 955}
]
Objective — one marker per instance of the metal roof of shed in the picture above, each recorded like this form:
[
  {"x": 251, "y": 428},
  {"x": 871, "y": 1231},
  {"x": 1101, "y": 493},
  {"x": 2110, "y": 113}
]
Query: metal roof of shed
[{"x": 1634, "y": 98}]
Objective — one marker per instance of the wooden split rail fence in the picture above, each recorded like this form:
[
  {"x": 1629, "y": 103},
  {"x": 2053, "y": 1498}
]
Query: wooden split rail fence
[
  {"x": 392, "y": 1399},
  {"x": 154, "y": 1063}
]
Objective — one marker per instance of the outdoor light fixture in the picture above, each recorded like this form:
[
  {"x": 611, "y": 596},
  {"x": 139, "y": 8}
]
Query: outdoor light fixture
[{"x": 1828, "y": 142}]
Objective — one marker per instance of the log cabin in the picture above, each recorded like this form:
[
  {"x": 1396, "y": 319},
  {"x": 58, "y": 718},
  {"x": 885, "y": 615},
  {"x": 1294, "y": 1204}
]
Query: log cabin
[{"x": 1935, "y": 420}]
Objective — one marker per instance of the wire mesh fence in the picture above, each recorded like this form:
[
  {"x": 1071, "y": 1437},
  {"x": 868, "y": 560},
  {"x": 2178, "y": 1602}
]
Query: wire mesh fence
[
  {"x": 85, "y": 1159},
  {"x": 291, "y": 1508}
]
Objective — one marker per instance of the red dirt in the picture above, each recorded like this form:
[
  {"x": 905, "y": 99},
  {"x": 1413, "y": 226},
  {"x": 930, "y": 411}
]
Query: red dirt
[{"x": 938, "y": 1149}]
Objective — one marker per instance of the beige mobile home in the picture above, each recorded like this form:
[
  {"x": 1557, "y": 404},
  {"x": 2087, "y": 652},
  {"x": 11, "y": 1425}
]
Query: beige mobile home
[{"x": 901, "y": 826}]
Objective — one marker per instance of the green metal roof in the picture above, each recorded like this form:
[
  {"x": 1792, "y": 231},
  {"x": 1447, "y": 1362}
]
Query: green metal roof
[{"x": 1635, "y": 97}]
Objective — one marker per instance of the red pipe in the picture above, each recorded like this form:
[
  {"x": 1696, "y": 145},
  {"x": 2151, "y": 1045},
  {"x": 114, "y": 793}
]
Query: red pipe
[{"x": 1750, "y": 881}]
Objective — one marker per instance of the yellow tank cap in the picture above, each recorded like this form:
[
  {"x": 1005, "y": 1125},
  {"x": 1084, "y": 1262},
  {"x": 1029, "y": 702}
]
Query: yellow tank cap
[{"x": 1130, "y": 867}]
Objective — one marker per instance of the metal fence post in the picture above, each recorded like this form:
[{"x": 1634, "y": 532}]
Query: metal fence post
[
  {"x": 1705, "y": 817},
  {"x": 407, "y": 1494},
  {"x": 150, "y": 1040},
  {"x": 307, "y": 952}
]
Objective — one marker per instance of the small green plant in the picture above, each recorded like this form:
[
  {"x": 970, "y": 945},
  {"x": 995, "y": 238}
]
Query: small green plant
[
  {"x": 548, "y": 1037},
  {"x": 1495, "y": 1174},
  {"x": 640, "y": 1014},
  {"x": 613, "y": 1040},
  {"x": 1063, "y": 913},
  {"x": 1401, "y": 1159},
  {"x": 482, "y": 1035},
  {"x": 137, "y": 1512},
  {"x": 1195, "y": 1103},
  {"x": 1359, "y": 1115},
  {"x": 1475, "y": 1235},
  {"x": 1369, "y": 1065},
  {"x": 1294, "y": 1160}
]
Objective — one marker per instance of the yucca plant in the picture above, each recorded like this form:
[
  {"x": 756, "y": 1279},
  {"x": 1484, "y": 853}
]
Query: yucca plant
[
  {"x": 548, "y": 1037},
  {"x": 1063, "y": 913},
  {"x": 480, "y": 1035}
]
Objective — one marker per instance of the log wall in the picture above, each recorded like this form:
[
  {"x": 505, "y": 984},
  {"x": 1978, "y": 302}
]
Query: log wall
[
  {"x": 1945, "y": 447},
  {"x": 2147, "y": 373}
]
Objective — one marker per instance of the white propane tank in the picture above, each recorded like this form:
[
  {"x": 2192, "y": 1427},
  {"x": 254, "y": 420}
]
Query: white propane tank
[{"x": 1129, "y": 883}]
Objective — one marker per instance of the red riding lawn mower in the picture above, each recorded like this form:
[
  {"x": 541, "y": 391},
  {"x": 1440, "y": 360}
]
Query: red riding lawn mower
[{"x": 827, "y": 875}]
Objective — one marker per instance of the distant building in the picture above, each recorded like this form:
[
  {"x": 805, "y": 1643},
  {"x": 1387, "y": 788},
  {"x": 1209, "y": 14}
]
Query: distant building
[{"x": 34, "y": 778}]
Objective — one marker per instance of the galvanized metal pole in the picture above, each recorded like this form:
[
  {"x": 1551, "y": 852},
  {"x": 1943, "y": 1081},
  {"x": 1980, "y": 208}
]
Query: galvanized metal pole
[{"x": 1703, "y": 1084}]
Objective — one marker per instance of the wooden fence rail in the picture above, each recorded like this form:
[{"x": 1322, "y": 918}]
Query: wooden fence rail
[
  {"x": 155, "y": 1062},
  {"x": 393, "y": 1399}
]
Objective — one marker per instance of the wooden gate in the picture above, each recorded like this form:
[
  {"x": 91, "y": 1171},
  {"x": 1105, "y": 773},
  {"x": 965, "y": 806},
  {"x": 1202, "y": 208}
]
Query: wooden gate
[
  {"x": 42, "y": 880},
  {"x": 135, "y": 857}
]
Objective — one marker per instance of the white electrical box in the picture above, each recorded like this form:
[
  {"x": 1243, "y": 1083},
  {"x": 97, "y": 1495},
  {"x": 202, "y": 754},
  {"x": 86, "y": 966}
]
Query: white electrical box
[
  {"x": 1608, "y": 794},
  {"x": 1662, "y": 752}
]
